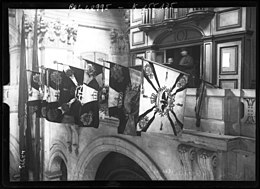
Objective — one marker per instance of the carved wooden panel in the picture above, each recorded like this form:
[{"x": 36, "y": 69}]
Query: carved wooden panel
[
  {"x": 229, "y": 68},
  {"x": 228, "y": 83}
]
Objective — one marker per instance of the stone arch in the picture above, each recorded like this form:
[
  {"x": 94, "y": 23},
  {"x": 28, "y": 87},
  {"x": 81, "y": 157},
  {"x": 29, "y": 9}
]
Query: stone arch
[
  {"x": 57, "y": 150},
  {"x": 94, "y": 153},
  {"x": 191, "y": 28}
]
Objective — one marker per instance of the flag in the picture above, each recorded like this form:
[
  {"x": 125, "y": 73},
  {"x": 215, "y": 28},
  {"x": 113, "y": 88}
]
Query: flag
[
  {"x": 94, "y": 70},
  {"x": 99, "y": 74},
  {"x": 78, "y": 95},
  {"x": 131, "y": 101},
  {"x": 54, "y": 80},
  {"x": 119, "y": 85},
  {"x": 161, "y": 99},
  {"x": 71, "y": 78},
  {"x": 22, "y": 108},
  {"x": 89, "y": 111},
  {"x": 87, "y": 105}
]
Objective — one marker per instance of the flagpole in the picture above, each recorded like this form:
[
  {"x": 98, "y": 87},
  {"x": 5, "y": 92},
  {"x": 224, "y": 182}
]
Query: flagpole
[
  {"x": 36, "y": 122},
  {"x": 22, "y": 99},
  {"x": 101, "y": 59},
  {"x": 56, "y": 62},
  {"x": 159, "y": 64}
]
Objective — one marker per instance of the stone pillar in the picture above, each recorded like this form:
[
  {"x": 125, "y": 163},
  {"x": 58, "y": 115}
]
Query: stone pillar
[{"x": 208, "y": 75}]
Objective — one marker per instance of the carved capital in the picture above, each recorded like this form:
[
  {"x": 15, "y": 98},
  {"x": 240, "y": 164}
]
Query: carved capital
[
  {"x": 187, "y": 156},
  {"x": 207, "y": 161}
]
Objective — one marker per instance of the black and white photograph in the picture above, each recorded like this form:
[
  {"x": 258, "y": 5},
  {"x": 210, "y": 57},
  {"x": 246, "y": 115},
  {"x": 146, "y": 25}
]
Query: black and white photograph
[{"x": 143, "y": 92}]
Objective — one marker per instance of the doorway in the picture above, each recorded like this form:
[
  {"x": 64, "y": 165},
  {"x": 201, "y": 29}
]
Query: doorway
[{"x": 195, "y": 53}]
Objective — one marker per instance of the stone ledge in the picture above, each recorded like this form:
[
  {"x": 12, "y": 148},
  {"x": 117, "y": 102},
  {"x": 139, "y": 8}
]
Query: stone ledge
[
  {"x": 210, "y": 140},
  {"x": 53, "y": 175}
]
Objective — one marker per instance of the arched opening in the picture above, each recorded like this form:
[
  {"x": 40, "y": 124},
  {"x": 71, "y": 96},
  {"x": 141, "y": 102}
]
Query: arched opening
[
  {"x": 108, "y": 150},
  {"x": 116, "y": 166},
  {"x": 58, "y": 170},
  {"x": 172, "y": 42}
]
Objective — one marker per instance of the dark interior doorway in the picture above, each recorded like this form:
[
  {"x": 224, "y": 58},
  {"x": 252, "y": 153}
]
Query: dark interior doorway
[
  {"x": 63, "y": 169},
  {"x": 116, "y": 166},
  {"x": 194, "y": 52}
]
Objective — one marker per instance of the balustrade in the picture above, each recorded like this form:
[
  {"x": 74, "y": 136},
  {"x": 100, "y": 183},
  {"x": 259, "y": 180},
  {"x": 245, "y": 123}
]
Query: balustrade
[{"x": 151, "y": 15}]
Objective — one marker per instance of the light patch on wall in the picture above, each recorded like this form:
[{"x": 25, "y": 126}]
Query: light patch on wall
[
  {"x": 90, "y": 39},
  {"x": 226, "y": 60}
]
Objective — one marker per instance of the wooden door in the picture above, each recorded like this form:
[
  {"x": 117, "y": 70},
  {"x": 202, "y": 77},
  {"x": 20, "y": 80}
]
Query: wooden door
[{"x": 229, "y": 65}]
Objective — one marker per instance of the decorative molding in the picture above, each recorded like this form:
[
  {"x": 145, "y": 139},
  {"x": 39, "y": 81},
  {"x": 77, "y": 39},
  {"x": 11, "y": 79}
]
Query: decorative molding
[
  {"x": 178, "y": 34},
  {"x": 228, "y": 19},
  {"x": 229, "y": 82},
  {"x": 51, "y": 33},
  {"x": 197, "y": 162},
  {"x": 231, "y": 56},
  {"x": 249, "y": 111}
]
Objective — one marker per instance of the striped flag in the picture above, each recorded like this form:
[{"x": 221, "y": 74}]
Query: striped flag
[{"x": 123, "y": 96}]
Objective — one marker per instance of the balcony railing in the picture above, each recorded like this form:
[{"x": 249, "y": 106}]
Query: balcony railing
[{"x": 154, "y": 16}]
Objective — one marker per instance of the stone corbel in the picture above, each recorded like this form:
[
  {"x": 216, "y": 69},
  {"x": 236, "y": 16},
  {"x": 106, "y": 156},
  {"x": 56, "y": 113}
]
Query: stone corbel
[
  {"x": 207, "y": 161},
  {"x": 187, "y": 156}
]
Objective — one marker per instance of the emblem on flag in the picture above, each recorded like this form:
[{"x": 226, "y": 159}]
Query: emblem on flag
[
  {"x": 36, "y": 79},
  {"x": 56, "y": 77},
  {"x": 86, "y": 118},
  {"x": 161, "y": 107},
  {"x": 117, "y": 73}
]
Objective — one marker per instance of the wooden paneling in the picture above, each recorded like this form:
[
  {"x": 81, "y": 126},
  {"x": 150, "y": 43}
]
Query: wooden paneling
[
  {"x": 229, "y": 19},
  {"x": 229, "y": 57},
  {"x": 138, "y": 38}
]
